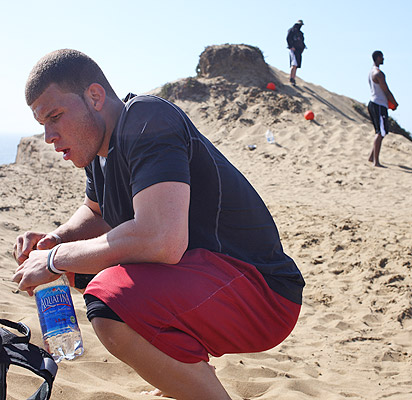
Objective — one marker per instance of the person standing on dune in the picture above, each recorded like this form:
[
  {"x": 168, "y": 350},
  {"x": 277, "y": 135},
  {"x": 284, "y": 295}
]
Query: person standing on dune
[
  {"x": 296, "y": 46},
  {"x": 378, "y": 105}
]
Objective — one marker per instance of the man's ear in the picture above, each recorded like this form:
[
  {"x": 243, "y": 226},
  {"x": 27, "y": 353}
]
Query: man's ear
[{"x": 96, "y": 95}]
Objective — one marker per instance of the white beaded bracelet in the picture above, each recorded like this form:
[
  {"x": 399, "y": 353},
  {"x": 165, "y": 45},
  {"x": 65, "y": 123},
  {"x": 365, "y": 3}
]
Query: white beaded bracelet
[{"x": 50, "y": 259}]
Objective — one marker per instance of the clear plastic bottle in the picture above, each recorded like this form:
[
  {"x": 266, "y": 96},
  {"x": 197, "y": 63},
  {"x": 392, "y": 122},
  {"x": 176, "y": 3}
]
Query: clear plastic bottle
[
  {"x": 61, "y": 332},
  {"x": 269, "y": 136}
]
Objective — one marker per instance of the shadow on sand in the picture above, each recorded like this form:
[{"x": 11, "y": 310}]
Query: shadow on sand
[
  {"x": 402, "y": 168},
  {"x": 327, "y": 103}
]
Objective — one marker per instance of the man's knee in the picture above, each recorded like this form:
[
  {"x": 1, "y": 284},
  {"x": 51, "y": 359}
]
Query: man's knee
[{"x": 114, "y": 335}]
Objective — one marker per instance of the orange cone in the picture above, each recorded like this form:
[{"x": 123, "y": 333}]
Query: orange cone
[
  {"x": 271, "y": 86},
  {"x": 309, "y": 115}
]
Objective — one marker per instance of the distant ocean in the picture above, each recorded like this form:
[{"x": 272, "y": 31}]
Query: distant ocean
[{"x": 8, "y": 147}]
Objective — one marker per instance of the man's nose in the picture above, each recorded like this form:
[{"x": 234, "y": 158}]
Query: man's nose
[{"x": 50, "y": 134}]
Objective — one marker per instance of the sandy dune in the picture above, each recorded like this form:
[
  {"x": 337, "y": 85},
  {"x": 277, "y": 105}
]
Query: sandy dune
[{"x": 346, "y": 224}]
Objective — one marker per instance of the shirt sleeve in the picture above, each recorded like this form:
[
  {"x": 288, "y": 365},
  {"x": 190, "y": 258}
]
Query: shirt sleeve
[
  {"x": 289, "y": 39},
  {"x": 90, "y": 189},
  {"x": 155, "y": 142}
]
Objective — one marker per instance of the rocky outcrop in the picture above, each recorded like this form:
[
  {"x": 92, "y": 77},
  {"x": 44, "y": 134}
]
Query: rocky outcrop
[{"x": 235, "y": 62}]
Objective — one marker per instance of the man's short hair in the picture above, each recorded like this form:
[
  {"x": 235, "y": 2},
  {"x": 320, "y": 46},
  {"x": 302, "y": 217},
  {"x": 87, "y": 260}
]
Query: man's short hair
[
  {"x": 72, "y": 70},
  {"x": 376, "y": 54}
]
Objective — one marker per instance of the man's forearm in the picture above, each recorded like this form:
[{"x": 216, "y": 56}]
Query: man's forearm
[
  {"x": 83, "y": 224},
  {"x": 158, "y": 233},
  {"x": 391, "y": 97},
  {"x": 124, "y": 244}
]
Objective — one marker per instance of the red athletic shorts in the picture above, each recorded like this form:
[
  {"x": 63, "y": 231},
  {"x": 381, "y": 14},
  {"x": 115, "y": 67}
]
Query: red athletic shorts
[{"x": 208, "y": 303}]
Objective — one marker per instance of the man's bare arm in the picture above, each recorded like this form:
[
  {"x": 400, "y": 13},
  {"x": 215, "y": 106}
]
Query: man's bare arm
[
  {"x": 379, "y": 77},
  {"x": 157, "y": 234},
  {"x": 85, "y": 223}
]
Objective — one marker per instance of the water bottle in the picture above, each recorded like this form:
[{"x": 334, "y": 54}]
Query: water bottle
[
  {"x": 61, "y": 332},
  {"x": 269, "y": 136}
]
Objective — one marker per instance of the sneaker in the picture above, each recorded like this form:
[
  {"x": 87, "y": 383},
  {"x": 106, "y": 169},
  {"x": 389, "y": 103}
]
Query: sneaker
[{"x": 292, "y": 81}]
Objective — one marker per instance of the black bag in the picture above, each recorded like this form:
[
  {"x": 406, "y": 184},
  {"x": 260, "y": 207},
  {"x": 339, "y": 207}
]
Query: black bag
[{"x": 18, "y": 351}]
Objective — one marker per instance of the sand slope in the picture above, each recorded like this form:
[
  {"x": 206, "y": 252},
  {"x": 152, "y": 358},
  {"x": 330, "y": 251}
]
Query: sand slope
[{"x": 346, "y": 224}]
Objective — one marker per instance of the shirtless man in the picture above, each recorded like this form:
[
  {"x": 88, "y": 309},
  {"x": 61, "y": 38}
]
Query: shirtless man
[{"x": 378, "y": 105}]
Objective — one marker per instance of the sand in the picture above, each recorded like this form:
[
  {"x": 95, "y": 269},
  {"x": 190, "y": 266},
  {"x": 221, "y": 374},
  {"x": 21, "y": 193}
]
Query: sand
[{"x": 346, "y": 223}]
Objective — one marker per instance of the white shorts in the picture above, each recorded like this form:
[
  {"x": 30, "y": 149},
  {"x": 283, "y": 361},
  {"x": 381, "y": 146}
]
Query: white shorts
[{"x": 293, "y": 61}]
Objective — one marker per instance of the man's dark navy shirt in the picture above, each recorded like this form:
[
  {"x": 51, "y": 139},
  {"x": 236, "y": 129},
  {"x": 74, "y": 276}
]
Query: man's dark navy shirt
[{"x": 154, "y": 141}]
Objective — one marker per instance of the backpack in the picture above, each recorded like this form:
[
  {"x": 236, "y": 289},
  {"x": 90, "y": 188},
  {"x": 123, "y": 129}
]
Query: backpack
[{"x": 18, "y": 351}]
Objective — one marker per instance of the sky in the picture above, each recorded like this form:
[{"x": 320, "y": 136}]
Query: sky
[{"x": 141, "y": 45}]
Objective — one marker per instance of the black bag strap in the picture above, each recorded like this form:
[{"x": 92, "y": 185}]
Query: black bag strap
[
  {"x": 18, "y": 351},
  {"x": 20, "y": 327}
]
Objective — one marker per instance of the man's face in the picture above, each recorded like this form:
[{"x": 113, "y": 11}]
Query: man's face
[{"x": 70, "y": 123}]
